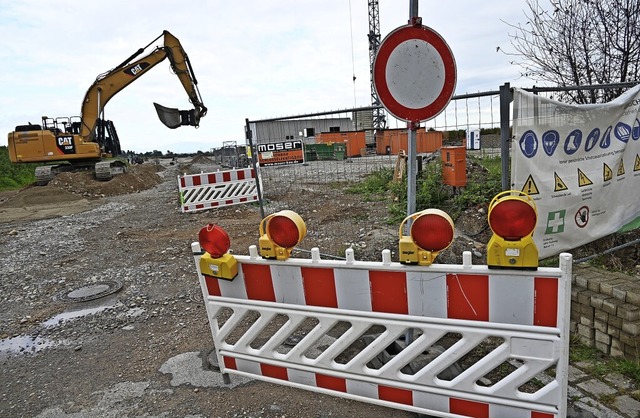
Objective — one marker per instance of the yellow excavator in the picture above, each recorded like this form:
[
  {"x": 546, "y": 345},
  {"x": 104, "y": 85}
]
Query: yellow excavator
[{"x": 89, "y": 141}]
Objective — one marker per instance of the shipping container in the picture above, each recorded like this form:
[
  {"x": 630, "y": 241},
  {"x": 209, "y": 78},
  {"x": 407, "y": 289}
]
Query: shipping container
[
  {"x": 353, "y": 142},
  {"x": 392, "y": 141}
]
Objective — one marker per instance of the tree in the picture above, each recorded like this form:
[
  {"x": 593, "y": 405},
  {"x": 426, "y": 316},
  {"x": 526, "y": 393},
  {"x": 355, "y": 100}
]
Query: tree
[{"x": 580, "y": 42}]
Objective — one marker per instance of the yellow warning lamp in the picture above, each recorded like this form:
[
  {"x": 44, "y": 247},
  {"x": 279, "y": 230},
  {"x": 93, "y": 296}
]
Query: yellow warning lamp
[
  {"x": 431, "y": 232},
  {"x": 512, "y": 218},
  {"x": 216, "y": 261},
  {"x": 279, "y": 233}
]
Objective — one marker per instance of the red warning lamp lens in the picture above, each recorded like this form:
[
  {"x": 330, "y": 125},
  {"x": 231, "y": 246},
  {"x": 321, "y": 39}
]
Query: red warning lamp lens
[
  {"x": 512, "y": 219},
  {"x": 432, "y": 232},
  {"x": 283, "y": 231},
  {"x": 214, "y": 240}
]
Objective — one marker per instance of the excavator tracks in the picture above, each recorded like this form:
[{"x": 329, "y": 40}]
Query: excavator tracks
[
  {"x": 44, "y": 174},
  {"x": 105, "y": 170}
]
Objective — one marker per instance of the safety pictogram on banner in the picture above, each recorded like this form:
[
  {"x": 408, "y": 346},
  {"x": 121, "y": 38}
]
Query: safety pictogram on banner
[
  {"x": 583, "y": 180},
  {"x": 559, "y": 183},
  {"x": 607, "y": 172},
  {"x": 621, "y": 168},
  {"x": 636, "y": 165},
  {"x": 582, "y": 217},
  {"x": 555, "y": 222},
  {"x": 530, "y": 186}
]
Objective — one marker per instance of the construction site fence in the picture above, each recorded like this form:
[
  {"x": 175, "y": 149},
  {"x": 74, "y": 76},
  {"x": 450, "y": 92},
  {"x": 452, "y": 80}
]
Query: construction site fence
[
  {"x": 442, "y": 340},
  {"x": 216, "y": 189},
  {"x": 487, "y": 111}
]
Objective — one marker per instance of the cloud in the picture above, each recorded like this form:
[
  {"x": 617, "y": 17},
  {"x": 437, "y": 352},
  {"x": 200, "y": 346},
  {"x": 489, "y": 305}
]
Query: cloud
[{"x": 252, "y": 59}]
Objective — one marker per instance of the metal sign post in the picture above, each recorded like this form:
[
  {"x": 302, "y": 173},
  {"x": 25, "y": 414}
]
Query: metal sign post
[
  {"x": 414, "y": 75},
  {"x": 412, "y": 171}
]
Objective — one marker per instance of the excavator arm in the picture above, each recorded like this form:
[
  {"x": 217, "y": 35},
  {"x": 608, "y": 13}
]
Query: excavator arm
[{"x": 112, "y": 82}]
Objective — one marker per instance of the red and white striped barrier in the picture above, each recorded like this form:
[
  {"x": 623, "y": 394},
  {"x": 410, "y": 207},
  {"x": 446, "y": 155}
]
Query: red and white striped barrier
[
  {"x": 309, "y": 317},
  {"x": 413, "y": 400},
  {"x": 222, "y": 188}
]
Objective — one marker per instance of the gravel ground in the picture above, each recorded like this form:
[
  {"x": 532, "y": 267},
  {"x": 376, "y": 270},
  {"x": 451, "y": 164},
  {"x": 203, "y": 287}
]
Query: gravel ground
[{"x": 141, "y": 350}]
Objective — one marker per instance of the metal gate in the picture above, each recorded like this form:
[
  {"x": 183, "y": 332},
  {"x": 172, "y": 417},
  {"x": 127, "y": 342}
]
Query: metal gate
[
  {"x": 222, "y": 188},
  {"x": 443, "y": 340}
]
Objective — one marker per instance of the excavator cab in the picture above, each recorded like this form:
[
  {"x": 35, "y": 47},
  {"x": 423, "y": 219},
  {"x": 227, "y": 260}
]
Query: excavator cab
[{"x": 174, "y": 118}]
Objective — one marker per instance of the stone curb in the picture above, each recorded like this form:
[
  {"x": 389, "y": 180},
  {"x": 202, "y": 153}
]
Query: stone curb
[{"x": 587, "y": 395}]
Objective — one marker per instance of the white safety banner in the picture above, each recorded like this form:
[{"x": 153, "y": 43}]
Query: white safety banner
[{"x": 581, "y": 166}]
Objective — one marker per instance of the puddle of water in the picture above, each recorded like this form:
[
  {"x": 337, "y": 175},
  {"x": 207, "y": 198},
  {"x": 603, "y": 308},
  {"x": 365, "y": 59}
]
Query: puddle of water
[
  {"x": 25, "y": 344},
  {"x": 69, "y": 315},
  {"x": 90, "y": 308}
]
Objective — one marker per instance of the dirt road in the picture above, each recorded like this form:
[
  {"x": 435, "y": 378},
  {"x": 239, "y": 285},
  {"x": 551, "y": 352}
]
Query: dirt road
[
  {"x": 142, "y": 348},
  {"x": 101, "y": 314}
]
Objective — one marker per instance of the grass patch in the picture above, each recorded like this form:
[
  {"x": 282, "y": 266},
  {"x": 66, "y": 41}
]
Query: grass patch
[
  {"x": 14, "y": 176},
  {"x": 602, "y": 365},
  {"x": 375, "y": 186},
  {"x": 484, "y": 181}
]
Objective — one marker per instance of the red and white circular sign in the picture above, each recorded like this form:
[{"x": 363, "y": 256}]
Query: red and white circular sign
[{"x": 414, "y": 73}]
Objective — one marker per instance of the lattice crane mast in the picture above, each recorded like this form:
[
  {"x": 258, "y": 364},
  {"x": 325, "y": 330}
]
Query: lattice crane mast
[{"x": 379, "y": 117}]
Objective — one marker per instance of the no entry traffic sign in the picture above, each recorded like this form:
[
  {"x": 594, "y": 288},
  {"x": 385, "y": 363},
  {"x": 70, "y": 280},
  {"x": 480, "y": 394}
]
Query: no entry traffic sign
[{"x": 414, "y": 73}]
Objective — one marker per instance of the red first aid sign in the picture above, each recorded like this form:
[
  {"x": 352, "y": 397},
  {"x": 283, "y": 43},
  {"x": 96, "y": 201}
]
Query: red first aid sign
[{"x": 414, "y": 73}]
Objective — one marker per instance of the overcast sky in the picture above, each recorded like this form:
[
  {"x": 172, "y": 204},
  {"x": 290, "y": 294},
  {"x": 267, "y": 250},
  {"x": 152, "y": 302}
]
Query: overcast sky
[{"x": 253, "y": 59}]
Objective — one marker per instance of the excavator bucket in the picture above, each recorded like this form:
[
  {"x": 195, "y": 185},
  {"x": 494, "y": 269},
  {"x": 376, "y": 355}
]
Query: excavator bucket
[{"x": 174, "y": 118}]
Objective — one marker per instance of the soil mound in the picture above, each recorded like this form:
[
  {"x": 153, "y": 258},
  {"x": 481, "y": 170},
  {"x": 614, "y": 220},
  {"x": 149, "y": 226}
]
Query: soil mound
[
  {"x": 136, "y": 179},
  {"x": 201, "y": 159},
  {"x": 33, "y": 195}
]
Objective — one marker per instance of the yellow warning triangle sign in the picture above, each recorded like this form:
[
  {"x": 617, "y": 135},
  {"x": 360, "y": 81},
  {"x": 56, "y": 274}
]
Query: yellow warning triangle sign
[
  {"x": 636, "y": 166},
  {"x": 583, "y": 180},
  {"x": 560, "y": 185},
  {"x": 607, "y": 173},
  {"x": 621, "y": 168},
  {"x": 530, "y": 187}
]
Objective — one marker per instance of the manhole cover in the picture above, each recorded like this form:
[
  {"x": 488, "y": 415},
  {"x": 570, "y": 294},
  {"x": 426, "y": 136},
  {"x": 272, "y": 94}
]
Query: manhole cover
[
  {"x": 90, "y": 291},
  {"x": 195, "y": 295}
]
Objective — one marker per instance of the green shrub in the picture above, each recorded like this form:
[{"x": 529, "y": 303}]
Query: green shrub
[
  {"x": 375, "y": 186},
  {"x": 482, "y": 184},
  {"x": 484, "y": 181},
  {"x": 14, "y": 176}
]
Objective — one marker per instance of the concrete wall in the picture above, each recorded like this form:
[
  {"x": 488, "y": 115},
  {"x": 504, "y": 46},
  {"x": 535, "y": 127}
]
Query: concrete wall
[{"x": 605, "y": 311}]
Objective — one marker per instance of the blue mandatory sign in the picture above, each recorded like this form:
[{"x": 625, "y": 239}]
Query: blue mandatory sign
[
  {"x": 529, "y": 144},
  {"x": 606, "y": 139},
  {"x": 573, "y": 142},
  {"x": 592, "y": 139},
  {"x": 623, "y": 132},
  {"x": 550, "y": 141}
]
